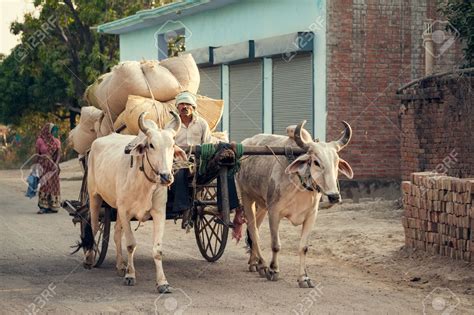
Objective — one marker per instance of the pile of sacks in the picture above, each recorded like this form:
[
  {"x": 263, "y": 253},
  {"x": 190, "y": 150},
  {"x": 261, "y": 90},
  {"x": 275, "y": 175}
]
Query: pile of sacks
[{"x": 117, "y": 98}]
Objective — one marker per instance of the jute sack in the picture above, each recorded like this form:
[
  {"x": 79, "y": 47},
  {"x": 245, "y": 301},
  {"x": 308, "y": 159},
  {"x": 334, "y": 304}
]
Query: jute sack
[
  {"x": 157, "y": 111},
  {"x": 210, "y": 109},
  {"x": 95, "y": 94},
  {"x": 81, "y": 139},
  {"x": 162, "y": 82},
  {"x": 89, "y": 116},
  {"x": 220, "y": 136},
  {"x": 104, "y": 126},
  {"x": 82, "y": 136},
  {"x": 119, "y": 121},
  {"x": 184, "y": 68}
]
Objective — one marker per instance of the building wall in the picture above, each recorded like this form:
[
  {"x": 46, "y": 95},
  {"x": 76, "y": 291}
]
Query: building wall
[
  {"x": 240, "y": 22},
  {"x": 437, "y": 118},
  {"x": 373, "y": 48},
  {"x": 234, "y": 23}
]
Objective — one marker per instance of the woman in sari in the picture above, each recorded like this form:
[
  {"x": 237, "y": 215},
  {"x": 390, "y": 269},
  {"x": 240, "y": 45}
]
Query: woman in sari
[{"x": 48, "y": 148}]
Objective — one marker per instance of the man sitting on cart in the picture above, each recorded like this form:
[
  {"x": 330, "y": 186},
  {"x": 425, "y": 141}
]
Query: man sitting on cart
[{"x": 194, "y": 131}]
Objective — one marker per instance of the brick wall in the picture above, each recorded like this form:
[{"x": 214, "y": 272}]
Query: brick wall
[
  {"x": 437, "y": 119},
  {"x": 374, "y": 47}
]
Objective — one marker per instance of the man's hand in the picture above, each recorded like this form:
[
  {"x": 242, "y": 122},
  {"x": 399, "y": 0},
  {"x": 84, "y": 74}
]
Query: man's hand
[{"x": 179, "y": 153}]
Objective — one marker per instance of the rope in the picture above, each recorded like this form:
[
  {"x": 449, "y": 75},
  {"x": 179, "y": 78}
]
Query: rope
[
  {"x": 238, "y": 155},
  {"x": 160, "y": 119},
  {"x": 276, "y": 157},
  {"x": 207, "y": 152}
]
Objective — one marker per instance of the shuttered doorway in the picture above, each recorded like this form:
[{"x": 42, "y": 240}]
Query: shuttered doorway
[
  {"x": 211, "y": 85},
  {"x": 210, "y": 82},
  {"x": 292, "y": 93},
  {"x": 245, "y": 94}
]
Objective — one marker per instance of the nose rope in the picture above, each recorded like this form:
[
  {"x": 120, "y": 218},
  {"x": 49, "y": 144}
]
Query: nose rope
[{"x": 142, "y": 168}]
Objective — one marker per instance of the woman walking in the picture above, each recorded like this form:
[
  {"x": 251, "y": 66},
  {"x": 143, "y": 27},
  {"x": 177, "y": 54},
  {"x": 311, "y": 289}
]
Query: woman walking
[{"x": 48, "y": 148}]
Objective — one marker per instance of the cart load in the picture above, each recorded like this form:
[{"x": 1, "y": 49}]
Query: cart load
[{"x": 117, "y": 98}]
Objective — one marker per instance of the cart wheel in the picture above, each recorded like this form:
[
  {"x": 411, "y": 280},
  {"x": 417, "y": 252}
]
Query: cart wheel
[
  {"x": 211, "y": 235},
  {"x": 101, "y": 241}
]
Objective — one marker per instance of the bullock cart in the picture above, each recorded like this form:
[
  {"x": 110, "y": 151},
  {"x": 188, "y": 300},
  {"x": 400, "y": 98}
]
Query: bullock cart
[{"x": 210, "y": 211}]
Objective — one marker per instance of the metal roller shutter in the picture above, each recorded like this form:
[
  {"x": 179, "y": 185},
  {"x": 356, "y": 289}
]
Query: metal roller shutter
[
  {"x": 210, "y": 82},
  {"x": 246, "y": 88},
  {"x": 211, "y": 85},
  {"x": 292, "y": 93}
]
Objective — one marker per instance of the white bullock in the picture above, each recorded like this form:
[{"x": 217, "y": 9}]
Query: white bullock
[{"x": 132, "y": 174}]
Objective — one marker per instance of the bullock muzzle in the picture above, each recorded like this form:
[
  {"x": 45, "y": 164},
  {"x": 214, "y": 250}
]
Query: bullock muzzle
[
  {"x": 166, "y": 178},
  {"x": 334, "y": 198}
]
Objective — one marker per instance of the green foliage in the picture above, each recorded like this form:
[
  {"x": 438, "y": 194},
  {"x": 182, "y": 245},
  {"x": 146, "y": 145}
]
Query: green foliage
[
  {"x": 23, "y": 139},
  {"x": 59, "y": 55},
  {"x": 460, "y": 13},
  {"x": 176, "y": 45}
]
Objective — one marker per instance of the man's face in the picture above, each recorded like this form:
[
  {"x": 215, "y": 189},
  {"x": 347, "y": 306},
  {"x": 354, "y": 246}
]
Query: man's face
[{"x": 185, "y": 109}]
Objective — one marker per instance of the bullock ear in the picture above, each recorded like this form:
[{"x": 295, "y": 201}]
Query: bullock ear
[
  {"x": 345, "y": 168},
  {"x": 298, "y": 165},
  {"x": 138, "y": 150},
  {"x": 179, "y": 154},
  {"x": 137, "y": 146}
]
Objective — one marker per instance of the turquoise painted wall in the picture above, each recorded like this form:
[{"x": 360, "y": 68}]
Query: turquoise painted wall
[
  {"x": 247, "y": 19},
  {"x": 238, "y": 22}
]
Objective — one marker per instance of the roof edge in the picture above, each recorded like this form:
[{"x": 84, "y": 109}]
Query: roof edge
[{"x": 114, "y": 27}]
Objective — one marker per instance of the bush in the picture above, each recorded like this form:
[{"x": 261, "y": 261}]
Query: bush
[{"x": 22, "y": 139}]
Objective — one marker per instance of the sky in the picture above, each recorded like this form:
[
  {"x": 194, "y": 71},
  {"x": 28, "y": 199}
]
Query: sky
[{"x": 10, "y": 11}]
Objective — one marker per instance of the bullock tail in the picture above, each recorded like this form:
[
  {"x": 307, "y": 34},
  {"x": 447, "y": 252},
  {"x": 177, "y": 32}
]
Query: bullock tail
[{"x": 87, "y": 241}]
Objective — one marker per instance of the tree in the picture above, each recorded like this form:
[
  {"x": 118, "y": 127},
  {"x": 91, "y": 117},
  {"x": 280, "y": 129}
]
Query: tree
[
  {"x": 60, "y": 53},
  {"x": 460, "y": 13}
]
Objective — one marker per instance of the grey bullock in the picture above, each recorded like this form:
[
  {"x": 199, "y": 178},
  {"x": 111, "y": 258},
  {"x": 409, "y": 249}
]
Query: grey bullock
[
  {"x": 132, "y": 174},
  {"x": 289, "y": 190}
]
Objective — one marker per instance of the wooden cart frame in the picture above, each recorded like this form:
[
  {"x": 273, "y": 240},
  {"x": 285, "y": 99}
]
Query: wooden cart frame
[{"x": 210, "y": 218}]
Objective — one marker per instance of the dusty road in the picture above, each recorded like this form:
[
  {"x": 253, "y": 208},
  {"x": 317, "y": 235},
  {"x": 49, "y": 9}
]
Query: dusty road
[{"x": 355, "y": 259}]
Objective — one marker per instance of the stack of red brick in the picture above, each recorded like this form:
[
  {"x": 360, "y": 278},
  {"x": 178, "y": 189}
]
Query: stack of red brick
[{"x": 439, "y": 215}]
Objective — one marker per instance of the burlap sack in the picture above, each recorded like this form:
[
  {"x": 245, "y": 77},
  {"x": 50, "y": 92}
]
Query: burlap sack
[
  {"x": 210, "y": 109},
  {"x": 157, "y": 111},
  {"x": 82, "y": 136},
  {"x": 104, "y": 126},
  {"x": 119, "y": 121},
  {"x": 184, "y": 68},
  {"x": 220, "y": 136},
  {"x": 96, "y": 93},
  {"x": 162, "y": 82}
]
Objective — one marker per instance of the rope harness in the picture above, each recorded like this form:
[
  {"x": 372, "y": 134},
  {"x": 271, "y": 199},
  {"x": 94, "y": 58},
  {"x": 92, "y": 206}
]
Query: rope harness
[
  {"x": 290, "y": 156},
  {"x": 209, "y": 151}
]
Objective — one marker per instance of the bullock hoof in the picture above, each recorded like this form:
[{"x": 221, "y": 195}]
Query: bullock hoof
[
  {"x": 272, "y": 275},
  {"x": 87, "y": 265},
  {"x": 164, "y": 288},
  {"x": 263, "y": 271},
  {"x": 129, "y": 281},
  {"x": 253, "y": 268},
  {"x": 306, "y": 283},
  {"x": 121, "y": 272}
]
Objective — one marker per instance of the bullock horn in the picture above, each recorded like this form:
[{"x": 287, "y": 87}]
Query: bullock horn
[
  {"x": 346, "y": 137},
  {"x": 299, "y": 141},
  {"x": 141, "y": 122},
  {"x": 177, "y": 125}
]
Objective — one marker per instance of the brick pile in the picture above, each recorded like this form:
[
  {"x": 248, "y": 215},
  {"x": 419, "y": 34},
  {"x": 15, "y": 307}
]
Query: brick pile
[{"x": 439, "y": 215}]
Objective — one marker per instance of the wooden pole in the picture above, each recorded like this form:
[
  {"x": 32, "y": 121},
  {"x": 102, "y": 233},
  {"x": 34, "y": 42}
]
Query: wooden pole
[{"x": 255, "y": 150}]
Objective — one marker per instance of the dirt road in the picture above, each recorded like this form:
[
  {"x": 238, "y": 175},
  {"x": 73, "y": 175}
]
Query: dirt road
[{"x": 355, "y": 259}]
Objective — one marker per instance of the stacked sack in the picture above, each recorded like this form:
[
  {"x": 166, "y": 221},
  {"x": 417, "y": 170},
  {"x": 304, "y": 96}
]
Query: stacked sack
[{"x": 133, "y": 87}]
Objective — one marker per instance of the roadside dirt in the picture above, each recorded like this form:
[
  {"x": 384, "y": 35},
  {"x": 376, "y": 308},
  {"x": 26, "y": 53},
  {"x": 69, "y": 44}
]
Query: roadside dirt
[{"x": 356, "y": 259}]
